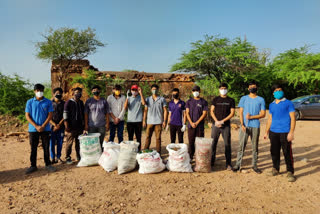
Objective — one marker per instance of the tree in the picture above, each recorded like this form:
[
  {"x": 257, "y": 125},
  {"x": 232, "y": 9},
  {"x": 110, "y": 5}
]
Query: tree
[{"x": 66, "y": 44}]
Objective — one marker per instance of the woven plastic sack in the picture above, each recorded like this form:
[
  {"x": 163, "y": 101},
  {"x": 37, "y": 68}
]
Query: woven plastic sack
[
  {"x": 203, "y": 154},
  {"x": 150, "y": 162},
  {"x": 179, "y": 158},
  {"x": 90, "y": 149},
  {"x": 127, "y": 157},
  {"x": 109, "y": 158}
]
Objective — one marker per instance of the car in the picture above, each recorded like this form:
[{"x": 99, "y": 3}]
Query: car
[{"x": 307, "y": 107}]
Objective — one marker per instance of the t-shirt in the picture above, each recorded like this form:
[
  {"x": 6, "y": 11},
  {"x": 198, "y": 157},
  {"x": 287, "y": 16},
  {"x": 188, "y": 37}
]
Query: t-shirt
[
  {"x": 281, "y": 120},
  {"x": 39, "y": 110},
  {"x": 196, "y": 108},
  {"x": 134, "y": 109},
  {"x": 176, "y": 112},
  {"x": 73, "y": 113},
  {"x": 116, "y": 106},
  {"x": 57, "y": 114},
  {"x": 222, "y": 108},
  {"x": 96, "y": 110},
  {"x": 253, "y": 106},
  {"x": 155, "y": 110}
]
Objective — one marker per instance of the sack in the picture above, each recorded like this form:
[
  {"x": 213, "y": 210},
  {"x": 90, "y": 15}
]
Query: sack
[
  {"x": 203, "y": 154},
  {"x": 90, "y": 149},
  {"x": 179, "y": 158},
  {"x": 127, "y": 156},
  {"x": 109, "y": 158},
  {"x": 150, "y": 162}
]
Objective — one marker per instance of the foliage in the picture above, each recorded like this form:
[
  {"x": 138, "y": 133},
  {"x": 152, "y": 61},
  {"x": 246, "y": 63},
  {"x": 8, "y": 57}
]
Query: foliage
[
  {"x": 14, "y": 93},
  {"x": 47, "y": 90}
]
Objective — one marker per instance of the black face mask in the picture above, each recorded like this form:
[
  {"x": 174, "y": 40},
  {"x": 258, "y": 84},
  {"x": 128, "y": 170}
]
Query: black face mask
[
  {"x": 96, "y": 93},
  {"x": 175, "y": 96},
  {"x": 253, "y": 90},
  {"x": 59, "y": 96},
  {"x": 78, "y": 96}
]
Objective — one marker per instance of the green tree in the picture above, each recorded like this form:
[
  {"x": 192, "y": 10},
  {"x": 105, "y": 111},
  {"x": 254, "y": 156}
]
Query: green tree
[{"x": 66, "y": 44}]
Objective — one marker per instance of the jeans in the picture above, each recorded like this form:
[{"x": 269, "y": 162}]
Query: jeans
[
  {"x": 176, "y": 130},
  {"x": 278, "y": 141},
  {"x": 157, "y": 128},
  {"x": 73, "y": 136},
  {"x": 101, "y": 130},
  {"x": 34, "y": 142},
  {"x": 135, "y": 128},
  {"x": 192, "y": 134},
  {"x": 254, "y": 134},
  {"x": 119, "y": 127},
  {"x": 56, "y": 139},
  {"x": 226, "y": 135}
]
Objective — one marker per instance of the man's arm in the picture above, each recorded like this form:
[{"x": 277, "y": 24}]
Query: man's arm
[
  {"x": 43, "y": 126},
  {"x": 262, "y": 114},
  {"x": 86, "y": 119},
  {"x": 241, "y": 119},
  {"x": 212, "y": 113},
  {"x": 290, "y": 136},
  {"x": 145, "y": 112},
  {"x": 232, "y": 110},
  {"x": 169, "y": 118},
  {"x": 184, "y": 117},
  {"x": 30, "y": 120},
  {"x": 125, "y": 106},
  {"x": 204, "y": 114},
  {"x": 143, "y": 101},
  {"x": 268, "y": 126},
  {"x": 165, "y": 116}
]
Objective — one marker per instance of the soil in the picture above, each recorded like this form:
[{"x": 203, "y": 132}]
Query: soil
[{"x": 93, "y": 190}]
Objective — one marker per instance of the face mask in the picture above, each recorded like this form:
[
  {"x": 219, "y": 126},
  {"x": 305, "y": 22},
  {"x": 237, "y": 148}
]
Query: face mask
[
  {"x": 278, "y": 95},
  {"x": 58, "y": 96},
  {"x": 223, "y": 92},
  {"x": 154, "y": 92},
  {"x": 175, "y": 96},
  {"x": 253, "y": 90},
  {"x": 96, "y": 93},
  {"x": 134, "y": 93},
  {"x": 117, "y": 93},
  {"x": 78, "y": 96},
  {"x": 196, "y": 93},
  {"x": 39, "y": 94}
]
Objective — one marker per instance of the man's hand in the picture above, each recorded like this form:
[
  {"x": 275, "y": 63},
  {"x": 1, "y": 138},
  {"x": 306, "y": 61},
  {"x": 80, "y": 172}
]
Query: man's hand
[
  {"x": 219, "y": 123},
  {"x": 183, "y": 129},
  {"x": 67, "y": 127},
  {"x": 243, "y": 128},
  {"x": 193, "y": 125},
  {"x": 248, "y": 117},
  {"x": 167, "y": 128},
  {"x": 139, "y": 90},
  {"x": 164, "y": 124},
  {"x": 85, "y": 132},
  {"x": 38, "y": 128},
  {"x": 107, "y": 127},
  {"x": 266, "y": 135},
  {"x": 41, "y": 129},
  {"x": 116, "y": 121},
  {"x": 86, "y": 128},
  {"x": 290, "y": 137},
  {"x": 144, "y": 124}
]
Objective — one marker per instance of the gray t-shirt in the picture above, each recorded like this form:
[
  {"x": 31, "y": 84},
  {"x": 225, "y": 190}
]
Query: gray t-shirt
[
  {"x": 96, "y": 110},
  {"x": 155, "y": 110},
  {"x": 134, "y": 109}
]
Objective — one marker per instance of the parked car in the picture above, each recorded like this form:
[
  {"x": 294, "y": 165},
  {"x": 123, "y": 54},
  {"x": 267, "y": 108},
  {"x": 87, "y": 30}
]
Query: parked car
[{"x": 307, "y": 107}]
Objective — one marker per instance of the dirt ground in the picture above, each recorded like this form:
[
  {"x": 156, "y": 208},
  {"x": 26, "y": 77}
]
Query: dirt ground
[{"x": 92, "y": 190}]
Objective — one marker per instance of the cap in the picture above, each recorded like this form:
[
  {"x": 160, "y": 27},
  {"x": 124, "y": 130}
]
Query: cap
[
  {"x": 196, "y": 88},
  {"x": 134, "y": 87}
]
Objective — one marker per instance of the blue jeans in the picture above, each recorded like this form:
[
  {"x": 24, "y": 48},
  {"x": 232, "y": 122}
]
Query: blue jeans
[
  {"x": 56, "y": 138},
  {"x": 119, "y": 127}
]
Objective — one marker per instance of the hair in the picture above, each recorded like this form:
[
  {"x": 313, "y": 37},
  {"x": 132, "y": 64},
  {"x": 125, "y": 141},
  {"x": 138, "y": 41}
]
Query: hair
[
  {"x": 275, "y": 86},
  {"x": 223, "y": 85},
  {"x": 77, "y": 89},
  {"x": 252, "y": 83},
  {"x": 175, "y": 90},
  {"x": 117, "y": 87},
  {"x": 155, "y": 86},
  {"x": 58, "y": 89},
  {"x": 95, "y": 87},
  {"x": 39, "y": 87}
]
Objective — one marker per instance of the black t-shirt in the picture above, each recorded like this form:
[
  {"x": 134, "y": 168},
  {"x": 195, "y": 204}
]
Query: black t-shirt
[
  {"x": 222, "y": 107},
  {"x": 57, "y": 114}
]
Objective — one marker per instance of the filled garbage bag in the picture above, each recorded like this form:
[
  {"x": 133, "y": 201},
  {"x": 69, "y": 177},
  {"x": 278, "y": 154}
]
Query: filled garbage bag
[
  {"x": 90, "y": 149},
  {"x": 127, "y": 156},
  {"x": 179, "y": 158},
  {"x": 109, "y": 158},
  {"x": 203, "y": 154},
  {"x": 150, "y": 162}
]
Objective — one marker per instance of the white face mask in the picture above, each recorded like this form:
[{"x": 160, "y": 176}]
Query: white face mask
[
  {"x": 134, "y": 93},
  {"x": 196, "y": 93},
  {"x": 39, "y": 94},
  {"x": 223, "y": 92}
]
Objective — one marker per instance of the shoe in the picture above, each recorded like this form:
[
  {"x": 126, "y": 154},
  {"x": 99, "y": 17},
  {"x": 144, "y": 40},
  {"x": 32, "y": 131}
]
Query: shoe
[
  {"x": 31, "y": 169},
  {"x": 256, "y": 170},
  {"x": 291, "y": 177},
  {"x": 60, "y": 160},
  {"x": 51, "y": 168},
  {"x": 229, "y": 168},
  {"x": 68, "y": 160},
  {"x": 78, "y": 159},
  {"x": 236, "y": 169},
  {"x": 54, "y": 161},
  {"x": 273, "y": 172}
]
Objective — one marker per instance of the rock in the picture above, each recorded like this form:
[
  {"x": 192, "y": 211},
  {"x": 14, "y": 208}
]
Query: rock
[{"x": 306, "y": 160}]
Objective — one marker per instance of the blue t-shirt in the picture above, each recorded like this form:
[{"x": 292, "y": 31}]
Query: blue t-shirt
[
  {"x": 39, "y": 111},
  {"x": 253, "y": 106},
  {"x": 281, "y": 120}
]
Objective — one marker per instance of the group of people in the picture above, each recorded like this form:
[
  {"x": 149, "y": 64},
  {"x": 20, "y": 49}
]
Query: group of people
[{"x": 53, "y": 119}]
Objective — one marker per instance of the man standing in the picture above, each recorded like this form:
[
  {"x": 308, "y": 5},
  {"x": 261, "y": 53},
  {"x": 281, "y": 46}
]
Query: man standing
[
  {"x": 116, "y": 111},
  {"x": 155, "y": 113},
  {"x": 177, "y": 117},
  {"x": 133, "y": 104},
  {"x": 252, "y": 108},
  {"x": 38, "y": 113},
  {"x": 96, "y": 115},
  {"x": 73, "y": 116},
  {"x": 196, "y": 110},
  {"x": 222, "y": 110},
  {"x": 57, "y": 126},
  {"x": 280, "y": 128}
]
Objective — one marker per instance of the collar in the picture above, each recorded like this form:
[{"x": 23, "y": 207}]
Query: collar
[
  {"x": 115, "y": 96},
  {"x": 34, "y": 98},
  {"x": 283, "y": 99}
]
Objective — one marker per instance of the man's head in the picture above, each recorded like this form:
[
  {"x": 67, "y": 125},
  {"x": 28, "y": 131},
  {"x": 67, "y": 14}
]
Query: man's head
[
  {"x": 253, "y": 87},
  {"x": 175, "y": 93},
  {"x": 277, "y": 90},
  {"x": 77, "y": 93},
  {"x": 134, "y": 90},
  {"x": 57, "y": 93},
  {"x": 154, "y": 89},
  {"x": 117, "y": 90},
  {"x": 223, "y": 89},
  {"x": 95, "y": 90},
  {"x": 196, "y": 91},
  {"x": 38, "y": 90}
]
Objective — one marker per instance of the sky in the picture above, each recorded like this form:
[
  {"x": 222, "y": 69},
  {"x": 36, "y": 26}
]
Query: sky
[{"x": 150, "y": 35}]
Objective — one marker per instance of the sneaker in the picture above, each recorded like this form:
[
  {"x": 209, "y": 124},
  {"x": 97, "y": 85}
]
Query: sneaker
[
  {"x": 60, "y": 160},
  {"x": 273, "y": 172},
  {"x": 236, "y": 169},
  {"x": 256, "y": 170},
  {"x": 291, "y": 177},
  {"x": 229, "y": 168},
  {"x": 78, "y": 159},
  {"x": 54, "y": 161},
  {"x": 68, "y": 160},
  {"x": 31, "y": 169},
  {"x": 51, "y": 168}
]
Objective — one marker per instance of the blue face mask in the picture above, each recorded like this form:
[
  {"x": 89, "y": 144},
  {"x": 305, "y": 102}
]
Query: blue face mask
[{"x": 278, "y": 95}]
